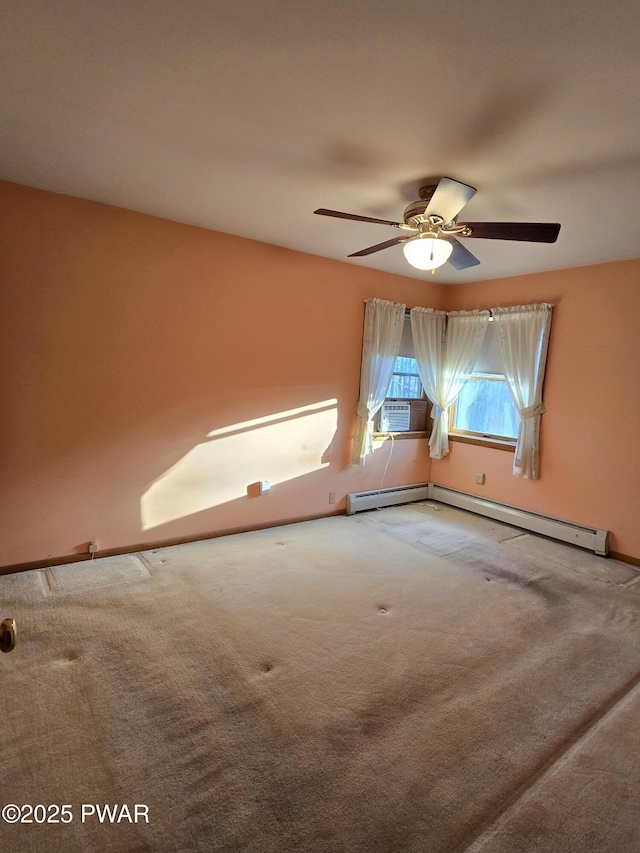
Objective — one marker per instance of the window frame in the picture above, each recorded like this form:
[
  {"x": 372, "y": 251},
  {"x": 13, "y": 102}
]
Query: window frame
[
  {"x": 421, "y": 433},
  {"x": 464, "y": 436},
  {"x": 404, "y": 373},
  {"x": 499, "y": 442}
]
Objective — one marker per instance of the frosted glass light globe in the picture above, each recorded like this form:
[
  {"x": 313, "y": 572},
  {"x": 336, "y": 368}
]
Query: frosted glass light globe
[{"x": 427, "y": 253}]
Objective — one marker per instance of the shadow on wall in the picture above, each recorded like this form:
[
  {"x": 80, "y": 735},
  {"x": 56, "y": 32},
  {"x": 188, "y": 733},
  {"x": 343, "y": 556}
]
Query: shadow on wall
[{"x": 278, "y": 447}]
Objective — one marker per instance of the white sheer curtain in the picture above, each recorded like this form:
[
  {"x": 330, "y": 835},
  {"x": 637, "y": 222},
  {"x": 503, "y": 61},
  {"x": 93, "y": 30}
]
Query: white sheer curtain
[
  {"x": 383, "y": 323},
  {"x": 447, "y": 347},
  {"x": 522, "y": 335}
]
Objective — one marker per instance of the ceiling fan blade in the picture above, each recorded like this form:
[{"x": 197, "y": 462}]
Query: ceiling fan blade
[
  {"x": 461, "y": 258},
  {"x": 324, "y": 212},
  {"x": 379, "y": 246},
  {"x": 531, "y": 232},
  {"x": 449, "y": 198}
]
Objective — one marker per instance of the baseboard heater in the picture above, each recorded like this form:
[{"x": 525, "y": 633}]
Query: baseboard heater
[
  {"x": 360, "y": 501},
  {"x": 555, "y": 528}
]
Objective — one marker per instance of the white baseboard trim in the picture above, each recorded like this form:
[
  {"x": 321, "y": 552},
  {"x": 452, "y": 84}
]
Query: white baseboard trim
[{"x": 589, "y": 538}]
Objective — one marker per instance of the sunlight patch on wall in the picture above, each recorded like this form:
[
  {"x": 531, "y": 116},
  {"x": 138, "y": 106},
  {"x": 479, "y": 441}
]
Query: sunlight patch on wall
[{"x": 276, "y": 447}]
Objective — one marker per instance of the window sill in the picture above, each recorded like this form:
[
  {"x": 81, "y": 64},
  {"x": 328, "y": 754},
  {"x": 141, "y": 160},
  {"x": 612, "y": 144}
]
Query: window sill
[
  {"x": 381, "y": 436},
  {"x": 494, "y": 443}
]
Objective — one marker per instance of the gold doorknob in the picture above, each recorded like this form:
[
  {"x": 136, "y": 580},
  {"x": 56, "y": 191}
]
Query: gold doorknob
[{"x": 7, "y": 635}]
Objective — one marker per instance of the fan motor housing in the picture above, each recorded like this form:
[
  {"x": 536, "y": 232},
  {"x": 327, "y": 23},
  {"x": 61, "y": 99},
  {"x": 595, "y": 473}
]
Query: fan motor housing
[{"x": 417, "y": 208}]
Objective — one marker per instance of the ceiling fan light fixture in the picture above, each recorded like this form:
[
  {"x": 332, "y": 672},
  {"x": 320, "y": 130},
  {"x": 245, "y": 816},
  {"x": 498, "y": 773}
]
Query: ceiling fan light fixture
[{"x": 427, "y": 253}]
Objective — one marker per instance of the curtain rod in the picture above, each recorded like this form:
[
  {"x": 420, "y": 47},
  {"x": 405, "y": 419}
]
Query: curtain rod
[{"x": 407, "y": 313}]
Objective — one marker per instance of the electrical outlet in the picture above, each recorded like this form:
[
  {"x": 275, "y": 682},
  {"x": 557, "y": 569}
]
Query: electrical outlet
[
  {"x": 93, "y": 546},
  {"x": 332, "y": 497},
  {"x": 480, "y": 479}
]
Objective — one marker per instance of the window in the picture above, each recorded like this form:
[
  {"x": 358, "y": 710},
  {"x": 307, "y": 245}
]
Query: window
[
  {"x": 405, "y": 407},
  {"x": 405, "y": 382},
  {"x": 485, "y": 408}
]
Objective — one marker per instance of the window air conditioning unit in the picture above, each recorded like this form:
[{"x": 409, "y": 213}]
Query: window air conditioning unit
[{"x": 395, "y": 417}]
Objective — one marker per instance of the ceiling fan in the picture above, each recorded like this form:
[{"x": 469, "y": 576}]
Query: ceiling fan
[{"x": 434, "y": 226}]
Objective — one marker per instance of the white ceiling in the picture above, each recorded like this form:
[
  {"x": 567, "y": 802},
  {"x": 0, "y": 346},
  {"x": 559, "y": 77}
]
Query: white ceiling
[{"x": 246, "y": 116}]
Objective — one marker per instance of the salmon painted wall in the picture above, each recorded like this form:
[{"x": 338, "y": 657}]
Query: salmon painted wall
[
  {"x": 152, "y": 372},
  {"x": 590, "y": 462}
]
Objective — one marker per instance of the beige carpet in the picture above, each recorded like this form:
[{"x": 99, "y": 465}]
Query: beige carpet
[{"x": 413, "y": 679}]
